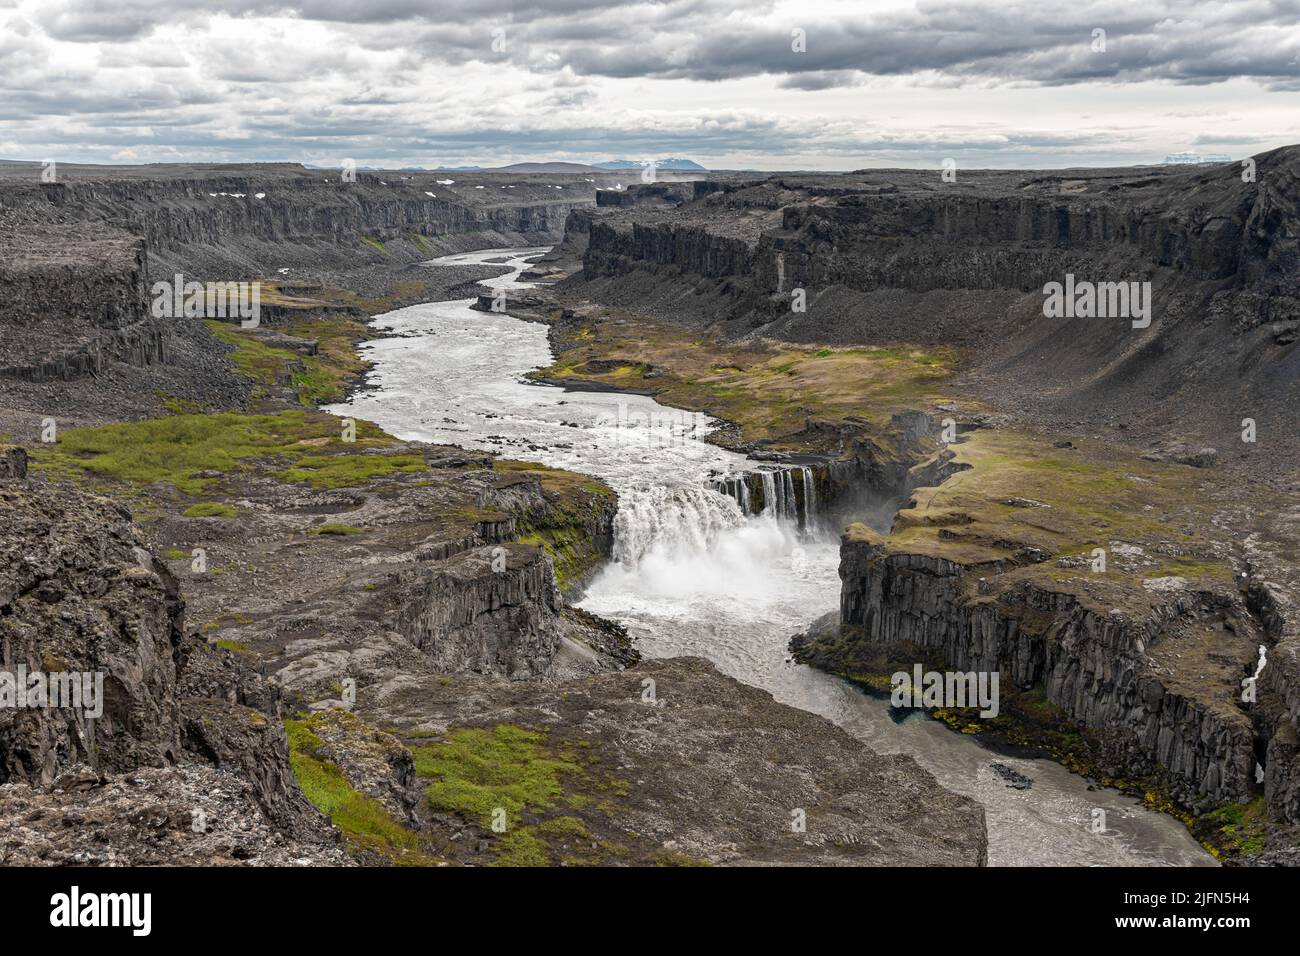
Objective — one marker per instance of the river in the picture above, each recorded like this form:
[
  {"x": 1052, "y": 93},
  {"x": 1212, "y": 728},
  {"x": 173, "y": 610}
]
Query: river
[{"x": 694, "y": 574}]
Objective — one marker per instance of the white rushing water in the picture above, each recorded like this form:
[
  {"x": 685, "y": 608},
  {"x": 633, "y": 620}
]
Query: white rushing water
[{"x": 696, "y": 572}]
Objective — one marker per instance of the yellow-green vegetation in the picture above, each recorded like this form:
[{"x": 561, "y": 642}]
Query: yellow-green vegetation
[
  {"x": 376, "y": 244},
  {"x": 403, "y": 292},
  {"x": 234, "y": 646},
  {"x": 577, "y": 507},
  {"x": 768, "y": 389},
  {"x": 1235, "y": 829},
  {"x": 1020, "y": 492},
  {"x": 478, "y": 772},
  {"x": 210, "y": 509},
  {"x": 180, "y": 406},
  {"x": 336, "y": 529},
  {"x": 295, "y": 445},
  {"x": 176, "y": 554},
  {"x": 365, "y": 823},
  {"x": 316, "y": 379},
  {"x": 475, "y": 770}
]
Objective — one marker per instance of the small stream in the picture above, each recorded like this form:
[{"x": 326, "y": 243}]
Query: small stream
[{"x": 696, "y": 573}]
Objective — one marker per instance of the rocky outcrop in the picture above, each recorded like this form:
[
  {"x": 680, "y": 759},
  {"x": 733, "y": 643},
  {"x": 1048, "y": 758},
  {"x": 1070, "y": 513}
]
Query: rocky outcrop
[
  {"x": 84, "y": 601},
  {"x": 679, "y": 764},
  {"x": 85, "y": 605},
  {"x": 489, "y": 610},
  {"x": 74, "y": 298},
  {"x": 615, "y": 248},
  {"x": 1097, "y": 667}
]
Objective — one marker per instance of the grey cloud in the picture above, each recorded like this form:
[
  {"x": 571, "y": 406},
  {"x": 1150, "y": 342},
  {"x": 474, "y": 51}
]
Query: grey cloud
[{"x": 1028, "y": 41}]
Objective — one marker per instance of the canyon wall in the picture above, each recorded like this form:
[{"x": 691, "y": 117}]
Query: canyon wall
[{"x": 1094, "y": 666}]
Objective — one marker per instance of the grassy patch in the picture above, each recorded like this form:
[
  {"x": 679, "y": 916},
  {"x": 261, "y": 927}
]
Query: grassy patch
[
  {"x": 209, "y": 509},
  {"x": 768, "y": 389},
  {"x": 376, "y": 244},
  {"x": 1018, "y": 494},
  {"x": 318, "y": 379},
  {"x": 178, "y": 448},
  {"x": 1235, "y": 829},
  {"x": 364, "y": 821},
  {"x": 475, "y": 771},
  {"x": 337, "y": 529}
]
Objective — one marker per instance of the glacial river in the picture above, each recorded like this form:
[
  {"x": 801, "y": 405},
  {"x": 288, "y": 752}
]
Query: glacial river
[{"x": 695, "y": 575}]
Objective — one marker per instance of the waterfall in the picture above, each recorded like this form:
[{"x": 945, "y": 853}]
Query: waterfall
[
  {"x": 770, "y": 503},
  {"x": 780, "y": 496},
  {"x": 809, "y": 500},
  {"x": 672, "y": 521},
  {"x": 736, "y": 488}
]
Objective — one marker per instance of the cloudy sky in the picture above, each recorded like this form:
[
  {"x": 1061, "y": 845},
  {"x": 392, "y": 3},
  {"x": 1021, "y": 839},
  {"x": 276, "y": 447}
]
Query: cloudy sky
[{"x": 811, "y": 84}]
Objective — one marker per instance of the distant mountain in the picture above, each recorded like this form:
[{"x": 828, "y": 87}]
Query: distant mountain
[
  {"x": 457, "y": 169},
  {"x": 680, "y": 164},
  {"x": 544, "y": 168}
]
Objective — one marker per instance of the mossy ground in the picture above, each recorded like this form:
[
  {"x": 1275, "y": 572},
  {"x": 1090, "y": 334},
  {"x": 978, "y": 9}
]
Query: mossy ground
[
  {"x": 293, "y": 445},
  {"x": 1235, "y": 830},
  {"x": 316, "y": 379},
  {"x": 365, "y": 823},
  {"x": 767, "y": 389},
  {"x": 558, "y": 803},
  {"x": 1019, "y": 492}
]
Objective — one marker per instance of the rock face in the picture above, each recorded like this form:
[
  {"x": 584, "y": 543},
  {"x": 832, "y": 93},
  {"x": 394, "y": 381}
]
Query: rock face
[
  {"x": 1279, "y": 683},
  {"x": 181, "y": 728},
  {"x": 75, "y": 297},
  {"x": 81, "y": 596},
  {"x": 898, "y": 255},
  {"x": 1097, "y": 667},
  {"x": 490, "y": 610},
  {"x": 248, "y": 221}
]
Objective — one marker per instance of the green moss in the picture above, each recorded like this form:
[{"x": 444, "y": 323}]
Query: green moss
[
  {"x": 576, "y": 507},
  {"x": 374, "y": 243},
  {"x": 474, "y": 771},
  {"x": 364, "y": 822},
  {"x": 674, "y": 858},
  {"x": 316, "y": 379},
  {"x": 210, "y": 509},
  {"x": 1235, "y": 829},
  {"x": 338, "y": 529},
  {"x": 521, "y": 847},
  {"x": 176, "y": 554},
  {"x": 234, "y": 646},
  {"x": 336, "y": 471},
  {"x": 176, "y": 448}
]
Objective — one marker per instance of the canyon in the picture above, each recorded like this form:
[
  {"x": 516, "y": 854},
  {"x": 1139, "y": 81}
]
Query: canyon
[{"x": 344, "y": 629}]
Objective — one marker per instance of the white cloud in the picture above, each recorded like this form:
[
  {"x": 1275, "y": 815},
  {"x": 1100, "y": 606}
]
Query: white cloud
[{"x": 398, "y": 82}]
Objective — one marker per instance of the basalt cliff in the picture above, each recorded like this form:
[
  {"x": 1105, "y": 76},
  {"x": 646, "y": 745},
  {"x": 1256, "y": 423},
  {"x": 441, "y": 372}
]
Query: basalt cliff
[{"x": 1100, "y": 508}]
